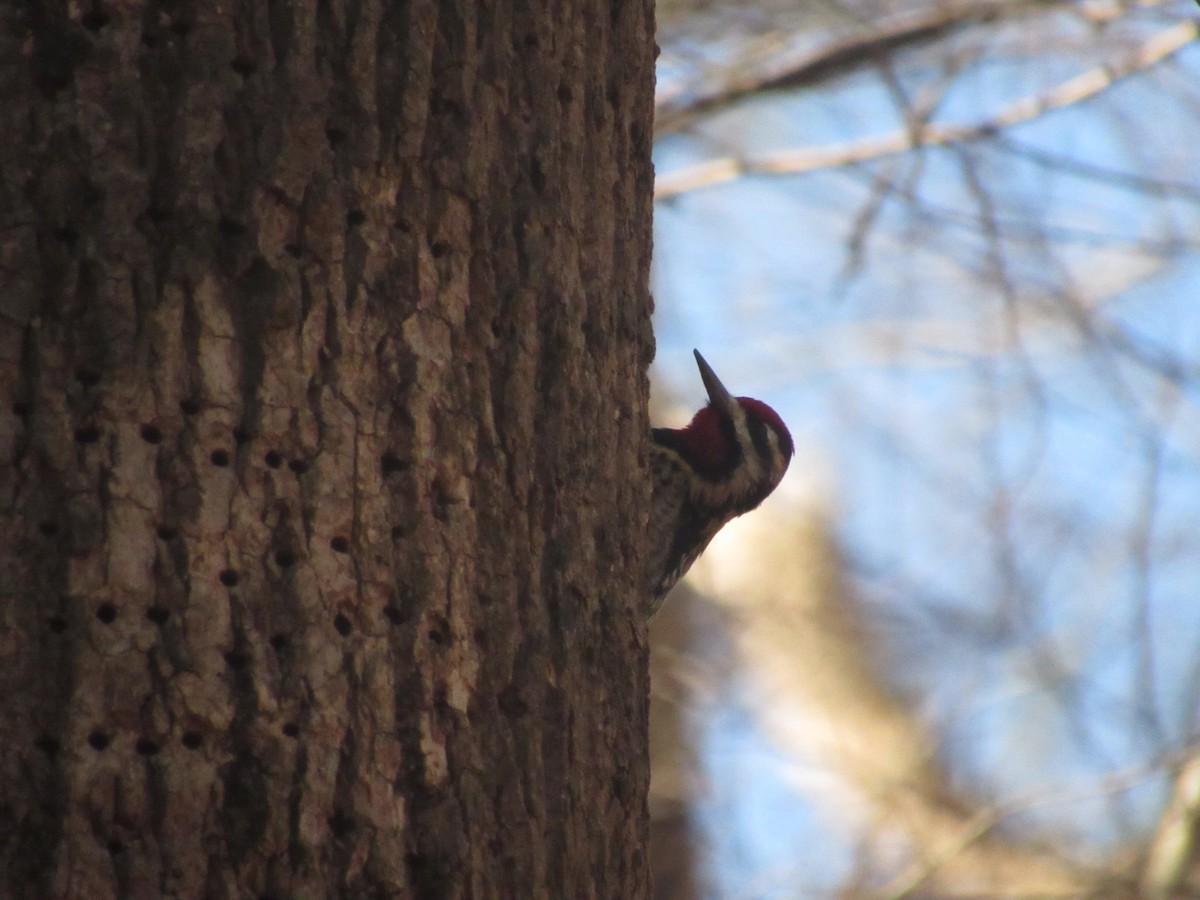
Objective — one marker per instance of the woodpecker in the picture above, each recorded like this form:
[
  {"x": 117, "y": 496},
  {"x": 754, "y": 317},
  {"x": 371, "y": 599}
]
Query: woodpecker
[{"x": 724, "y": 463}]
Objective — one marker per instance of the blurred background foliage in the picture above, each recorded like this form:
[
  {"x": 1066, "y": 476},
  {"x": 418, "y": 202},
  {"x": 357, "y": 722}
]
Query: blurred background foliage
[{"x": 955, "y": 245}]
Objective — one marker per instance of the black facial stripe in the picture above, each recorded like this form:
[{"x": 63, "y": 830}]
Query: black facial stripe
[
  {"x": 762, "y": 440},
  {"x": 730, "y": 433}
]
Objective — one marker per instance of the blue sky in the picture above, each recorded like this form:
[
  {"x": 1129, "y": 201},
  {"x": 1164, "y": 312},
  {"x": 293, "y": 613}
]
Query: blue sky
[{"x": 936, "y": 370}]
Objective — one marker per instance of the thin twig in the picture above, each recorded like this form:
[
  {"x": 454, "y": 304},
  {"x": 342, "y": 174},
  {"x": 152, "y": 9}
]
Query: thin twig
[{"x": 1074, "y": 90}]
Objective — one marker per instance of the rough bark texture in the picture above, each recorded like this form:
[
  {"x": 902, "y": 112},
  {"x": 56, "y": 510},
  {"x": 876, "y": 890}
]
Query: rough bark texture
[
  {"x": 323, "y": 339},
  {"x": 676, "y": 860}
]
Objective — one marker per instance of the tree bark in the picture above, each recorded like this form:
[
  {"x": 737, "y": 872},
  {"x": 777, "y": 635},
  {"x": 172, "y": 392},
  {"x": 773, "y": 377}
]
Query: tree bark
[
  {"x": 323, "y": 334},
  {"x": 676, "y": 846}
]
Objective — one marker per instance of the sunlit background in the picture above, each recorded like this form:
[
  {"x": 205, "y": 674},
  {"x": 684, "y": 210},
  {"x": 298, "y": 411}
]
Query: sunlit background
[{"x": 955, "y": 245}]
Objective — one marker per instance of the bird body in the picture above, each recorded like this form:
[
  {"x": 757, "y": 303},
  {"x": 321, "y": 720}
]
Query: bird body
[{"x": 725, "y": 462}]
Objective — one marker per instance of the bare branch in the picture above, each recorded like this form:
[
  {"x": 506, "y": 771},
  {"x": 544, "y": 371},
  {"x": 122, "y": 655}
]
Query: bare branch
[
  {"x": 1173, "y": 849},
  {"x": 763, "y": 65},
  {"x": 1074, "y": 90},
  {"x": 821, "y": 691}
]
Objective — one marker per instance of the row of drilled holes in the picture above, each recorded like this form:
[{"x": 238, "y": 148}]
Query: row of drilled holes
[
  {"x": 107, "y": 612},
  {"x": 152, "y": 434},
  {"x": 389, "y": 464},
  {"x": 101, "y": 740}
]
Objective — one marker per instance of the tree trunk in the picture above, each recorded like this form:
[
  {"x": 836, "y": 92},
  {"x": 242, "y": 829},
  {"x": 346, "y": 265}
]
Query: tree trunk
[{"x": 323, "y": 334}]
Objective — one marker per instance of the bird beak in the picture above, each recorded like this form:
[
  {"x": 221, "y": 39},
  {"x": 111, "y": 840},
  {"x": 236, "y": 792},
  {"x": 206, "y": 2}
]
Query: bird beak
[{"x": 717, "y": 395}]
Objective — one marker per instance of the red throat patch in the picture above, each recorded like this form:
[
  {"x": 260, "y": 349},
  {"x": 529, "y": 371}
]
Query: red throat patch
[{"x": 704, "y": 443}]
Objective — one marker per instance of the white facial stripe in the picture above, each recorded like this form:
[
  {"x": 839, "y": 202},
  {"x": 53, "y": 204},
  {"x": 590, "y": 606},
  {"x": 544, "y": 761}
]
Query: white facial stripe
[{"x": 741, "y": 426}]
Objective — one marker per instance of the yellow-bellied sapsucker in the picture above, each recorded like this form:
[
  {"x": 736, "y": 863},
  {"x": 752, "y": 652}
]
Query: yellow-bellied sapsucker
[{"x": 724, "y": 463}]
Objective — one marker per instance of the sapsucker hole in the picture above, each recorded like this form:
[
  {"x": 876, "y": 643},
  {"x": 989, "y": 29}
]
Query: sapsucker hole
[
  {"x": 299, "y": 466},
  {"x": 291, "y": 729},
  {"x": 151, "y": 434},
  {"x": 48, "y": 527},
  {"x": 53, "y": 81},
  {"x": 241, "y": 435},
  {"x": 88, "y": 434},
  {"x": 420, "y": 867},
  {"x": 537, "y": 177},
  {"x": 438, "y": 637},
  {"x": 295, "y": 251},
  {"x": 115, "y": 847},
  {"x": 158, "y": 614},
  {"x": 243, "y": 65},
  {"x": 390, "y": 463},
  {"x": 98, "y": 740},
  {"x": 392, "y": 613},
  {"x": 87, "y": 377},
  {"x": 57, "y": 624},
  {"x": 334, "y": 135},
  {"x": 340, "y": 545},
  {"x": 47, "y": 745},
  {"x": 189, "y": 406},
  {"x": 273, "y": 459},
  {"x": 355, "y": 217},
  {"x": 146, "y": 747},
  {"x": 192, "y": 740},
  {"x": 511, "y": 704},
  {"x": 220, "y": 458},
  {"x": 67, "y": 233},
  {"x": 166, "y": 532},
  {"x": 278, "y": 642},
  {"x": 285, "y": 558},
  {"x": 439, "y": 249},
  {"x": 228, "y": 577},
  {"x": 106, "y": 613},
  {"x": 341, "y": 825},
  {"x": 342, "y": 624},
  {"x": 237, "y": 660},
  {"x": 230, "y": 228}
]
